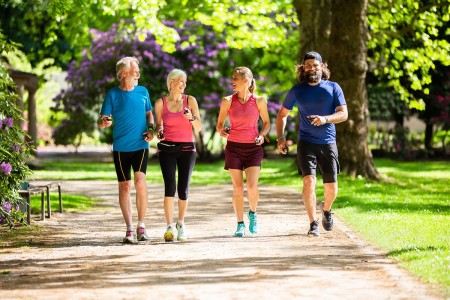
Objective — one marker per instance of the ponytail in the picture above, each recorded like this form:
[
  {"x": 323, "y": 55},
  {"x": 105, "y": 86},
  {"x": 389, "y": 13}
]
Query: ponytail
[{"x": 252, "y": 86}]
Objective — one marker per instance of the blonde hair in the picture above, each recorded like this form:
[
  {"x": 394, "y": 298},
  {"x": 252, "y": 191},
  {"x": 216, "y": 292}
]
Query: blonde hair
[
  {"x": 175, "y": 73},
  {"x": 247, "y": 73},
  {"x": 124, "y": 63}
]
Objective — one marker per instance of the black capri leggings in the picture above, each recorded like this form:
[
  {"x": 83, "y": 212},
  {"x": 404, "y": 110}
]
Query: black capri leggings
[{"x": 185, "y": 161}]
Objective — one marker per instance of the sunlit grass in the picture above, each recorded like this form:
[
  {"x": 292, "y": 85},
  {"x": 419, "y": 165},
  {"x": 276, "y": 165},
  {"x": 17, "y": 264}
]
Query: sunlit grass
[{"x": 70, "y": 202}]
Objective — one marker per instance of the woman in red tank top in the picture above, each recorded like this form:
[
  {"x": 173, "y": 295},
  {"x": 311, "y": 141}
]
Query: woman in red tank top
[
  {"x": 243, "y": 152},
  {"x": 176, "y": 116}
]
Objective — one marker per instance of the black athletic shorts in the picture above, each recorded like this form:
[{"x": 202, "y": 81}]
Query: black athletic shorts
[
  {"x": 125, "y": 160},
  {"x": 311, "y": 155}
]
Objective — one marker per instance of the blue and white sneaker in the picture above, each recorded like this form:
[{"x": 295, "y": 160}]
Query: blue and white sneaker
[
  {"x": 240, "y": 231},
  {"x": 253, "y": 218}
]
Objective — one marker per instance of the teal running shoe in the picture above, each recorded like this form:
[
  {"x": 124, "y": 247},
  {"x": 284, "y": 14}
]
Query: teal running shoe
[
  {"x": 182, "y": 236},
  {"x": 253, "y": 218},
  {"x": 240, "y": 231}
]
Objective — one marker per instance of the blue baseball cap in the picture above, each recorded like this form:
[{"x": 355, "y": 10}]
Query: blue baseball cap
[{"x": 312, "y": 55}]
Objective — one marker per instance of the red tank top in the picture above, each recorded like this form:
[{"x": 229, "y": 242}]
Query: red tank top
[
  {"x": 176, "y": 127},
  {"x": 243, "y": 120}
]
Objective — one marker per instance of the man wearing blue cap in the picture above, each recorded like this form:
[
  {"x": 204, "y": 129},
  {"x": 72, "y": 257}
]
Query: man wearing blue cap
[{"x": 321, "y": 104}]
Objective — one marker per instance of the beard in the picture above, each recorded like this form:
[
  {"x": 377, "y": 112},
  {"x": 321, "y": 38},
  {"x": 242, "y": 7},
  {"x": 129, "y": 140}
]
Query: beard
[
  {"x": 132, "y": 81},
  {"x": 313, "y": 77}
]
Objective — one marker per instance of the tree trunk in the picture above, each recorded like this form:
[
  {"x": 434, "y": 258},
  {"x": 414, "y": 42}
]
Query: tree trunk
[
  {"x": 348, "y": 66},
  {"x": 428, "y": 134},
  {"x": 315, "y": 25}
]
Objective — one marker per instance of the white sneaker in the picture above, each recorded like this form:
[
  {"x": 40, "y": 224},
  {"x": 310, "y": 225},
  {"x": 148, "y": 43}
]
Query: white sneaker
[
  {"x": 130, "y": 237},
  {"x": 182, "y": 236}
]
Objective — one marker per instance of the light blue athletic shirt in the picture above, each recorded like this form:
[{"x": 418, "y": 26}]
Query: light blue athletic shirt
[
  {"x": 322, "y": 100},
  {"x": 128, "y": 109}
]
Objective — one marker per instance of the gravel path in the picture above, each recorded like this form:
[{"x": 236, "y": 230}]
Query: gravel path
[{"x": 82, "y": 257}]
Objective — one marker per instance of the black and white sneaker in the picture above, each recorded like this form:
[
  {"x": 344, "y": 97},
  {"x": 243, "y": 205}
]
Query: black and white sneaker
[
  {"x": 314, "y": 229},
  {"x": 327, "y": 219}
]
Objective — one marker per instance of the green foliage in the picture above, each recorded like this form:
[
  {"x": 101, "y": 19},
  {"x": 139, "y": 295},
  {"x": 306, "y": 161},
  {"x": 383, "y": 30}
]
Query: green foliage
[
  {"x": 13, "y": 149},
  {"x": 406, "y": 38}
]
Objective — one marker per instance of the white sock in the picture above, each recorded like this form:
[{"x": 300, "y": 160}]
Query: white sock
[
  {"x": 141, "y": 224},
  {"x": 130, "y": 228}
]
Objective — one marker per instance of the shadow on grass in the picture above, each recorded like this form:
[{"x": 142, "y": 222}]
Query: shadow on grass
[{"x": 415, "y": 249}]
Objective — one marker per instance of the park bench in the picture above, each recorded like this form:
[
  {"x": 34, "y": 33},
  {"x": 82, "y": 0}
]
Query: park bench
[{"x": 41, "y": 188}]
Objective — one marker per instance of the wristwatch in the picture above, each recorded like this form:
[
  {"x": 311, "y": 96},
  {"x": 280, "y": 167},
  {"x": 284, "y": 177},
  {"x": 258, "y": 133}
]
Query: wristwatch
[
  {"x": 280, "y": 138},
  {"x": 150, "y": 127}
]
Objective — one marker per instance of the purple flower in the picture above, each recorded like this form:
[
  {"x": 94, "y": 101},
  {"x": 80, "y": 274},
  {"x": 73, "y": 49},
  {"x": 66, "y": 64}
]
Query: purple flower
[
  {"x": 7, "y": 206},
  {"x": 1, "y": 123},
  {"x": 15, "y": 147},
  {"x": 6, "y": 168},
  {"x": 1, "y": 220},
  {"x": 9, "y": 122}
]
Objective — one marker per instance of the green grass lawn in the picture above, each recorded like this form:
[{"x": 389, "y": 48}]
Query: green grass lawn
[
  {"x": 406, "y": 214},
  {"x": 70, "y": 202}
]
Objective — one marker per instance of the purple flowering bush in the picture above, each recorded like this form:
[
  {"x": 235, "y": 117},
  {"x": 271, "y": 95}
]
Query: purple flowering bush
[
  {"x": 94, "y": 75},
  {"x": 13, "y": 150}
]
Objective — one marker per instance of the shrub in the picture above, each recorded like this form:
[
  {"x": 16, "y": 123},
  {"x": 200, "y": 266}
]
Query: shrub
[{"x": 13, "y": 148}]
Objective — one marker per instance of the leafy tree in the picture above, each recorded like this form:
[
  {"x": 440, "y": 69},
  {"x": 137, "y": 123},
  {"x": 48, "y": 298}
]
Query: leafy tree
[
  {"x": 384, "y": 29},
  {"x": 437, "y": 106},
  {"x": 406, "y": 40},
  {"x": 13, "y": 149}
]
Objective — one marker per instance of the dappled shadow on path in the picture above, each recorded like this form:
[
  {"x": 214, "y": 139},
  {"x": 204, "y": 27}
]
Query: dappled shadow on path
[{"x": 84, "y": 251}]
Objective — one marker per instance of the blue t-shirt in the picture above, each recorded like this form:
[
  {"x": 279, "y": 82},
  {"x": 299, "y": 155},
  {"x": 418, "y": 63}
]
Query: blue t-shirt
[
  {"x": 322, "y": 100},
  {"x": 128, "y": 109}
]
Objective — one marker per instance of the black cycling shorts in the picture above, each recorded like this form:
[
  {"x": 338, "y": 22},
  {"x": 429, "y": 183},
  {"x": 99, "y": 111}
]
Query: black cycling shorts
[{"x": 125, "y": 160}]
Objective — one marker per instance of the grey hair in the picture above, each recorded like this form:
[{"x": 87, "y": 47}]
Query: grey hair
[
  {"x": 175, "y": 73},
  {"x": 124, "y": 63}
]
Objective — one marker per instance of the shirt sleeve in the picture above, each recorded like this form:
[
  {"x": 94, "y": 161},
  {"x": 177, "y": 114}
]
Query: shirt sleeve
[
  {"x": 338, "y": 96},
  {"x": 148, "y": 103},
  {"x": 107, "y": 105},
  {"x": 289, "y": 100}
]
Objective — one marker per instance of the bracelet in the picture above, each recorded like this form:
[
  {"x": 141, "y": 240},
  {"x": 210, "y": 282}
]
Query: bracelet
[
  {"x": 280, "y": 138},
  {"x": 193, "y": 119},
  {"x": 150, "y": 127},
  {"x": 326, "y": 120}
]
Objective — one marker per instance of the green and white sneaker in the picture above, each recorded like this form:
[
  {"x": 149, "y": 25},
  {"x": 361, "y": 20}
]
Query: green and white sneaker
[
  {"x": 168, "y": 235},
  {"x": 182, "y": 236},
  {"x": 240, "y": 231}
]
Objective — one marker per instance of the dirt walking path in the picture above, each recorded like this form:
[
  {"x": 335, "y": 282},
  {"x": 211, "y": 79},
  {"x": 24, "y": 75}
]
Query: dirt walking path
[{"x": 83, "y": 257}]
